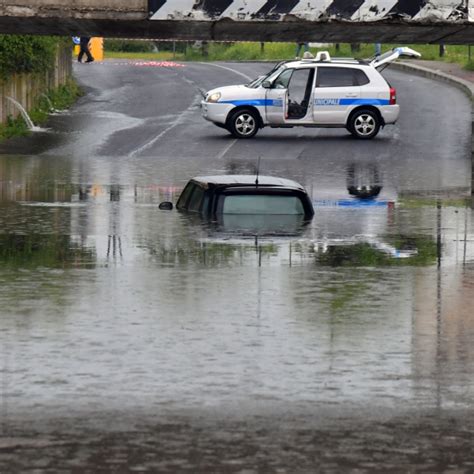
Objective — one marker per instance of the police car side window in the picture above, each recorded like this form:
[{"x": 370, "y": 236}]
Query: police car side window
[
  {"x": 281, "y": 82},
  {"x": 361, "y": 77},
  {"x": 336, "y": 77}
]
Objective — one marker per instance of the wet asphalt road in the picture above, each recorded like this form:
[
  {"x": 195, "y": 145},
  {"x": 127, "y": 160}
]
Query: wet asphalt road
[{"x": 139, "y": 340}]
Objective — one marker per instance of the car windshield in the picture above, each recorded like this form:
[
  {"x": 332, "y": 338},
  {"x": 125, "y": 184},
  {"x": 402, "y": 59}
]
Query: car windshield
[
  {"x": 269, "y": 76},
  {"x": 262, "y": 204}
]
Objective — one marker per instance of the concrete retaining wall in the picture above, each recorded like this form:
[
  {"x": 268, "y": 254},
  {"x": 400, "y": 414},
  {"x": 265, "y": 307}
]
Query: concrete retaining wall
[{"x": 27, "y": 88}]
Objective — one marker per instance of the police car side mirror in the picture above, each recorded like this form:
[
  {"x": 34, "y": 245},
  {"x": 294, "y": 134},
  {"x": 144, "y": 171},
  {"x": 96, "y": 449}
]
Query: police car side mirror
[
  {"x": 165, "y": 206},
  {"x": 266, "y": 84}
]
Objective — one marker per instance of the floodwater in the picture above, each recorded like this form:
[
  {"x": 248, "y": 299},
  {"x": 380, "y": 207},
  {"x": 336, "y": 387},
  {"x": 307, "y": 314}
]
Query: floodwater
[
  {"x": 113, "y": 313},
  {"x": 110, "y": 305}
]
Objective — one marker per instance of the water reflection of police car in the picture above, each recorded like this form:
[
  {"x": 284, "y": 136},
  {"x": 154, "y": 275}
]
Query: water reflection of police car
[{"x": 320, "y": 92}]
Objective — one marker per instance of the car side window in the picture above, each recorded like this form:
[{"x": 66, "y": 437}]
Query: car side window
[
  {"x": 300, "y": 85},
  {"x": 361, "y": 77},
  {"x": 336, "y": 77},
  {"x": 281, "y": 82},
  {"x": 196, "y": 199},
  {"x": 184, "y": 197}
]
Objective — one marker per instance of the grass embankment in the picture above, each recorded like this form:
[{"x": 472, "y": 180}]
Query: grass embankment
[
  {"x": 279, "y": 51},
  {"x": 58, "y": 99}
]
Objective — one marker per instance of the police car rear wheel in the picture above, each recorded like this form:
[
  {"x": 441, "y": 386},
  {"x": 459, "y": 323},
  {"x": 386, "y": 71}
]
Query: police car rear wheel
[
  {"x": 243, "y": 124},
  {"x": 364, "y": 124}
]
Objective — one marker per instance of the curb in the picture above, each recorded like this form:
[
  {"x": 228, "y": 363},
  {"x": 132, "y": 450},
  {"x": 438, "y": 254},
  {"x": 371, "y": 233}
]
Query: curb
[{"x": 463, "y": 85}]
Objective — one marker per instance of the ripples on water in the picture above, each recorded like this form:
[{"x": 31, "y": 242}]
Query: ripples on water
[{"x": 101, "y": 292}]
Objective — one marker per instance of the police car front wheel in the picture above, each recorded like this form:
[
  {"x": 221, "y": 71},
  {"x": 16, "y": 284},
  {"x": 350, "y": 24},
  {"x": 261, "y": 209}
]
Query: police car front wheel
[
  {"x": 364, "y": 124},
  {"x": 243, "y": 123}
]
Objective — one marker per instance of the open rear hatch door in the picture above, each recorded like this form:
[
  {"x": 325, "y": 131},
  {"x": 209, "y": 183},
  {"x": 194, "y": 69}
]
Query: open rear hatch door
[{"x": 387, "y": 58}]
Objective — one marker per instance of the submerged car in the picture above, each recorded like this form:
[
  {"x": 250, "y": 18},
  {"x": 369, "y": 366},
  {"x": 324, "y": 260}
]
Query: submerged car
[
  {"x": 316, "y": 92},
  {"x": 244, "y": 195}
]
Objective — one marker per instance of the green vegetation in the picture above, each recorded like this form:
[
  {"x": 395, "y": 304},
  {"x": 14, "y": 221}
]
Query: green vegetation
[
  {"x": 357, "y": 273},
  {"x": 210, "y": 254},
  {"x": 65, "y": 95},
  {"x": 23, "y": 54},
  {"x": 242, "y": 51},
  {"x": 50, "y": 251},
  {"x": 13, "y": 128},
  {"x": 163, "y": 56},
  {"x": 366, "y": 255},
  {"x": 414, "y": 203},
  {"x": 266, "y": 52},
  {"x": 127, "y": 46},
  {"x": 59, "y": 99},
  {"x": 469, "y": 66}
]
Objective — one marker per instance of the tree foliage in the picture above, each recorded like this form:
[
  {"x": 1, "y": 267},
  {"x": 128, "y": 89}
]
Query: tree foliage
[{"x": 22, "y": 54}]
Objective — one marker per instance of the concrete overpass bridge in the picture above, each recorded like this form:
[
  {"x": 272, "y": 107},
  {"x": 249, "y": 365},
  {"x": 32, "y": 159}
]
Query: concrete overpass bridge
[{"x": 387, "y": 21}]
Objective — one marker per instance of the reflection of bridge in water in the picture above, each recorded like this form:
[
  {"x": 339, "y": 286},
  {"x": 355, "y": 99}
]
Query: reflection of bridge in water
[{"x": 387, "y": 21}]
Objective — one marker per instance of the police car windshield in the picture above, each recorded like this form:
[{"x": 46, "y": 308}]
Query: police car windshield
[{"x": 258, "y": 82}]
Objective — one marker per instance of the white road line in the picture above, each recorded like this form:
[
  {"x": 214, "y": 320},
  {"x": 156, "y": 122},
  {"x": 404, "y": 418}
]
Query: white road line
[
  {"x": 229, "y": 69},
  {"x": 174, "y": 124},
  {"x": 180, "y": 118},
  {"x": 226, "y": 149}
]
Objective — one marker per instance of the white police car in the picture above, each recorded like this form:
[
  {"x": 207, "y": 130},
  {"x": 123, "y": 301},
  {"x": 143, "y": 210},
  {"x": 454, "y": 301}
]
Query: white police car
[{"x": 316, "y": 92}]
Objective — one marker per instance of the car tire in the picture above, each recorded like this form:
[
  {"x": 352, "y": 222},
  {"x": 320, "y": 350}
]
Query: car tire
[
  {"x": 243, "y": 123},
  {"x": 364, "y": 124}
]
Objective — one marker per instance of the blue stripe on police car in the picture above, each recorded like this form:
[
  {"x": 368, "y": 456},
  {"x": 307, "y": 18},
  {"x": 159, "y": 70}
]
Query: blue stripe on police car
[
  {"x": 255, "y": 102},
  {"x": 329, "y": 102}
]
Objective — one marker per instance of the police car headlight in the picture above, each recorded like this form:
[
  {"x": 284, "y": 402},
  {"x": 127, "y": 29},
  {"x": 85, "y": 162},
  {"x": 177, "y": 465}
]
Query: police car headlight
[{"x": 214, "y": 97}]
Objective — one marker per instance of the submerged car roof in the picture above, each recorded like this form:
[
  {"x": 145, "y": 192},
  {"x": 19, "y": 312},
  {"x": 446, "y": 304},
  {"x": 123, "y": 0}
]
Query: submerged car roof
[{"x": 246, "y": 180}]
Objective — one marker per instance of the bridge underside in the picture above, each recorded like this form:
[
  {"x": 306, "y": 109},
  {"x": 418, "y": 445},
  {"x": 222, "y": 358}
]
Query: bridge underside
[
  {"x": 228, "y": 30},
  {"x": 325, "y": 21}
]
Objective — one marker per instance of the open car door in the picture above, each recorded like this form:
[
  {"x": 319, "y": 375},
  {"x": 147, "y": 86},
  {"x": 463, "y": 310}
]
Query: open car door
[{"x": 395, "y": 53}]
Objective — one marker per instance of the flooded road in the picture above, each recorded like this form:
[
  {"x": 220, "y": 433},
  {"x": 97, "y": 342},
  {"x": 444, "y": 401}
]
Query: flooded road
[{"x": 133, "y": 339}]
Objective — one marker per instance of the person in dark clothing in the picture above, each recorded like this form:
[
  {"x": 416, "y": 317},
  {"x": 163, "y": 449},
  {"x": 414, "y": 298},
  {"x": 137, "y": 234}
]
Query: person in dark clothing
[
  {"x": 84, "y": 49},
  {"x": 300, "y": 46}
]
